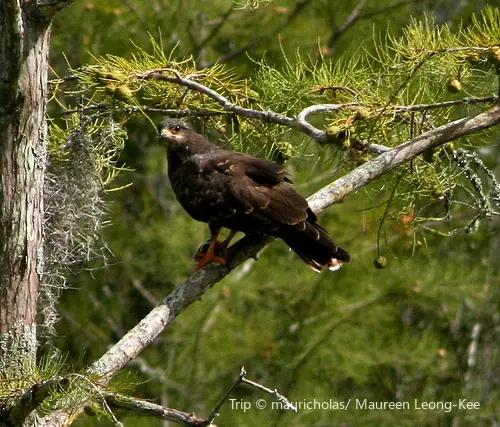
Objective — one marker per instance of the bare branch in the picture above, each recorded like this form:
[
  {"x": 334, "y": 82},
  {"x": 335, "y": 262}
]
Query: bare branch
[
  {"x": 287, "y": 405},
  {"x": 242, "y": 380},
  {"x": 148, "y": 296},
  {"x": 149, "y": 409},
  {"x": 349, "y": 22},
  {"x": 228, "y": 393},
  {"x": 423, "y": 107},
  {"x": 386, "y": 9},
  {"x": 214, "y": 31},
  {"x": 356, "y": 15},
  {"x": 145, "y": 408},
  {"x": 267, "y": 116}
]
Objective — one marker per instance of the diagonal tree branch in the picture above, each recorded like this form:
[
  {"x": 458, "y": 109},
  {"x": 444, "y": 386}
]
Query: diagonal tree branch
[
  {"x": 299, "y": 7},
  {"x": 199, "y": 47},
  {"x": 286, "y": 404},
  {"x": 201, "y": 281},
  {"x": 356, "y": 15}
]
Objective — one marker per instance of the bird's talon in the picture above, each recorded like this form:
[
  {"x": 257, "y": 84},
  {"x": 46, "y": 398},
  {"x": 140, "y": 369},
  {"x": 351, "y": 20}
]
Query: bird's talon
[
  {"x": 220, "y": 251},
  {"x": 208, "y": 259},
  {"x": 216, "y": 251}
]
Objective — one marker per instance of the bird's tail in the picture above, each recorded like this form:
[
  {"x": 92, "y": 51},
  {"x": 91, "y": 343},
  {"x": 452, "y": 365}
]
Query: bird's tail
[{"x": 316, "y": 248}]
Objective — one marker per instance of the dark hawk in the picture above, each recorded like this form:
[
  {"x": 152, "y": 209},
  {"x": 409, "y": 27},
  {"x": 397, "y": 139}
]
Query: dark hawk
[{"x": 242, "y": 193}]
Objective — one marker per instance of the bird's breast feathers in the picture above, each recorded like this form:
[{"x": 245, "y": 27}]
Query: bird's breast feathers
[{"x": 203, "y": 192}]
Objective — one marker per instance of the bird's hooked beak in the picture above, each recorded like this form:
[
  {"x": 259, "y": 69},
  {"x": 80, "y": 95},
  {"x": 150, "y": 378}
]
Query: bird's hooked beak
[
  {"x": 171, "y": 135},
  {"x": 173, "y": 132},
  {"x": 166, "y": 134}
]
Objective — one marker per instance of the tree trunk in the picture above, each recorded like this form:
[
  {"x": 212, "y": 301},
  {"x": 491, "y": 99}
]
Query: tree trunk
[{"x": 24, "y": 48}]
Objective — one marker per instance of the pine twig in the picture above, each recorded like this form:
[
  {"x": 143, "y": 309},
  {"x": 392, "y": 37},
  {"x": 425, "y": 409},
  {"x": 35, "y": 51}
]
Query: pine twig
[{"x": 298, "y": 123}]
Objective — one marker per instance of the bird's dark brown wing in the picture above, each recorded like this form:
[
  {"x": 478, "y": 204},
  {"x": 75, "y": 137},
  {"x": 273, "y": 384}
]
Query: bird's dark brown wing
[
  {"x": 261, "y": 171},
  {"x": 260, "y": 186}
]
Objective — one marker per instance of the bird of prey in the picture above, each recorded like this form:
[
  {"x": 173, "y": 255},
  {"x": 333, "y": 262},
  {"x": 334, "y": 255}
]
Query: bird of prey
[{"x": 242, "y": 193}]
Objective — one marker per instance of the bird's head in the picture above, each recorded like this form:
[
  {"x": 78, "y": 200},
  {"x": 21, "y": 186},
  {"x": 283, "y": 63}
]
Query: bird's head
[{"x": 173, "y": 131}]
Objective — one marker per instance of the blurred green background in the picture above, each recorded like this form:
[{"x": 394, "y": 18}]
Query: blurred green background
[{"x": 397, "y": 334}]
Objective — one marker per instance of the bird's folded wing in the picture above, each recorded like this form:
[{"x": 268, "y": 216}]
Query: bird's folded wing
[
  {"x": 260, "y": 186},
  {"x": 261, "y": 171}
]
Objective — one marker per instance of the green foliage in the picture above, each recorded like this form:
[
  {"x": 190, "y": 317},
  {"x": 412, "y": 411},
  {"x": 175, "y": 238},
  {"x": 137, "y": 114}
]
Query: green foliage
[
  {"x": 70, "y": 389},
  {"x": 118, "y": 82},
  {"x": 396, "y": 334},
  {"x": 428, "y": 65}
]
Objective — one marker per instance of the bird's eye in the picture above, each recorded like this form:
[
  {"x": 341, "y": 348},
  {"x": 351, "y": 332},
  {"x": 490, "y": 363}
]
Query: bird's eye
[{"x": 176, "y": 128}]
